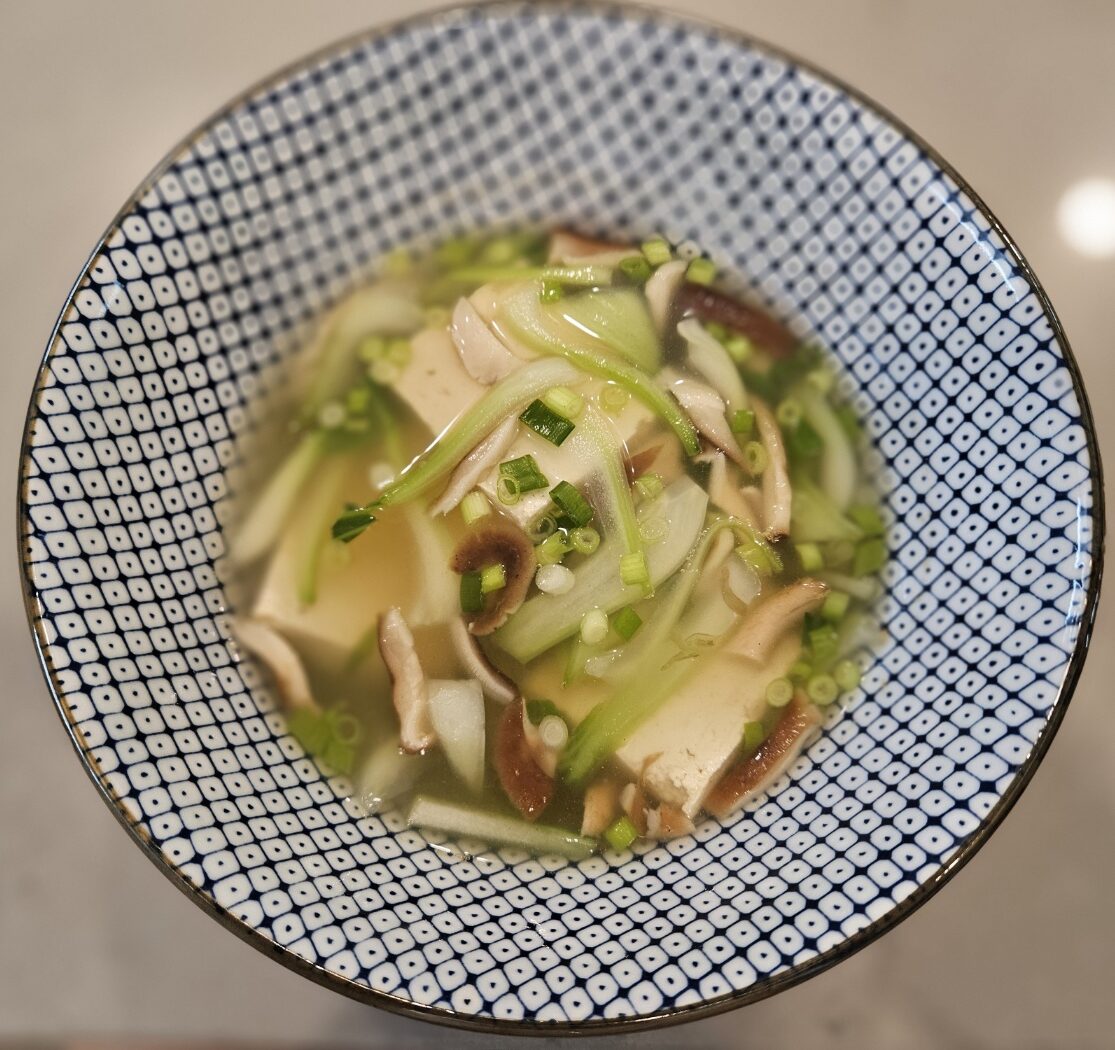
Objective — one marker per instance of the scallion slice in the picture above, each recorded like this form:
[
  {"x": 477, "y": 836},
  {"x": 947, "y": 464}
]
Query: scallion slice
[
  {"x": 649, "y": 486},
  {"x": 524, "y": 471},
  {"x": 474, "y": 507},
  {"x": 564, "y": 402},
  {"x": 352, "y": 523},
  {"x": 753, "y": 735},
  {"x": 472, "y": 593},
  {"x": 742, "y": 422},
  {"x": 585, "y": 540},
  {"x": 621, "y": 834},
  {"x": 633, "y": 569},
  {"x": 756, "y": 457},
  {"x": 809, "y": 554},
  {"x": 780, "y": 692},
  {"x": 657, "y": 251},
  {"x": 701, "y": 271},
  {"x": 626, "y": 622},
  {"x": 636, "y": 269},
  {"x": 493, "y": 578},
  {"x": 834, "y": 606},
  {"x": 847, "y": 675},
  {"x": 869, "y": 557},
  {"x": 822, "y": 689},
  {"x": 571, "y": 503},
  {"x": 545, "y": 422},
  {"x": 507, "y": 490},
  {"x": 551, "y": 550}
]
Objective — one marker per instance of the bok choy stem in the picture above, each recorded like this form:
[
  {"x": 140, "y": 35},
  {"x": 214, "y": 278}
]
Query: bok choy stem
[{"x": 521, "y": 318}]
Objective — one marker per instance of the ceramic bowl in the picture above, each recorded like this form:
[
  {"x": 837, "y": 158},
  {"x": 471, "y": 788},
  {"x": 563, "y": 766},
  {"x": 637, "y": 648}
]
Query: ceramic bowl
[{"x": 623, "y": 122}]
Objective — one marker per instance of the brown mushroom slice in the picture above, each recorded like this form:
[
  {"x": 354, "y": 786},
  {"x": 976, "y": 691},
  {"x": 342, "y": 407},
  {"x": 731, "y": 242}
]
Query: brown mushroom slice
[
  {"x": 705, "y": 407},
  {"x": 708, "y": 304},
  {"x": 667, "y": 821},
  {"x": 498, "y": 543},
  {"x": 482, "y": 353},
  {"x": 776, "y": 476},
  {"x": 469, "y": 472},
  {"x": 408, "y": 682},
  {"x": 496, "y": 685},
  {"x": 662, "y": 289},
  {"x": 722, "y": 492},
  {"x": 570, "y": 248},
  {"x": 753, "y": 774},
  {"x": 525, "y": 784},
  {"x": 767, "y": 621},
  {"x": 265, "y": 643},
  {"x": 601, "y": 806}
]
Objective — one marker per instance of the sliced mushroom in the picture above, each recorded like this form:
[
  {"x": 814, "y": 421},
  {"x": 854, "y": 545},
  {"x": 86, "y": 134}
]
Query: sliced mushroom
[
  {"x": 475, "y": 465},
  {"x": 776, "y": 476},
  {"x": 408, "y": 682},
  {"x": 496, "y": 685},
  {"x": 768, "y": 621},
  {"x": 648, "y": 452},
  {"x": 661, "y": 291},
  {"x": 708, "y": 358},
  {"x": 601, "y": 806},
  {"x": 499, "y": 543},
  {"x": 723, "y": 493},
  {"x": 264, "y": 642},
  {"x": 484, "y": 356},
  {"x": 746, "y": 778},
  {"x": 667, "y": 821},
  {"x": 740, "y": 584},
  {"x": 567, "y": 247},
  {"x": 764, "y": 331},
  {"x": 526, "y": 785},
  {"x": 705, "y": 407}
]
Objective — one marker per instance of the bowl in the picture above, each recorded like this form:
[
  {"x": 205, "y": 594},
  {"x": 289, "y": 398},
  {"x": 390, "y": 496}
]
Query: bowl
[{"x": 623, "y": 122}]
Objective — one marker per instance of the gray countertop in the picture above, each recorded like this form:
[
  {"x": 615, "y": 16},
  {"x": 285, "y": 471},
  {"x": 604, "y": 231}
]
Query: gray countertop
[{"x": 1018, "y": 952}]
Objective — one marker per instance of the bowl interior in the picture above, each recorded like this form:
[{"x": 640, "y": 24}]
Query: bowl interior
[{"x": 615, "y": 122}]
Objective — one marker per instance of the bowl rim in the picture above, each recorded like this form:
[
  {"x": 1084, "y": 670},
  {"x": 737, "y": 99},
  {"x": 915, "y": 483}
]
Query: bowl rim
[{"x": 673, "y": 1015}]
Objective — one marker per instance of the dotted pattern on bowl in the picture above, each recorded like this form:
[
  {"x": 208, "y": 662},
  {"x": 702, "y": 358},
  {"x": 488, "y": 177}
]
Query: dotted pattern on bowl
[{"x": 625, "y": 124}]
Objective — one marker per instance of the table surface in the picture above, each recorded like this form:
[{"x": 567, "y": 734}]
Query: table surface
[{"x": 1017, "y": 952}]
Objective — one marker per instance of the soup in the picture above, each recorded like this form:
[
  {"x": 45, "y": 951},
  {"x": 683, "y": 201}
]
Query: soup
[{"x": 559, "y": 546}]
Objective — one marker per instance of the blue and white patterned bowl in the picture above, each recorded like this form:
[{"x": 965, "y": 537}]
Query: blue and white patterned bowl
[{"x": 623, "y": 122}]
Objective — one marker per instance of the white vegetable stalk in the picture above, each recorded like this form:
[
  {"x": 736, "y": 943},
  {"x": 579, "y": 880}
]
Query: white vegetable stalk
[
  {"x": 708, "y": 357},
  {"x": 457, "y": 713}
]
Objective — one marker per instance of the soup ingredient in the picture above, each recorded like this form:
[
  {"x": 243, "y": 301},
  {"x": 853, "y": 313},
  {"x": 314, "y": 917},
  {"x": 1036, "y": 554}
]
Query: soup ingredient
[
  {"x": 457, "y": 715},
  {"x": 281, "y": 660},
  {"x": 489, "y": 545},
  {"x": 525, "y": 783},
  {"x": 408, "y": 683}
]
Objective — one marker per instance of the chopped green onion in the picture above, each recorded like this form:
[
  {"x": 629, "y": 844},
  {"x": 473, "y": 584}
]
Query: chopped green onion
[
  {"x": 754, "y": 733},
  {"x": 701, "y": 271},
  {"x": 614, "y": 399},
  {"x": 357, "y": 400},
  {"x": 626, "y": 622},
  {"x": 801, "y": 671},
  {"x": 524, "y": 472},
  {"x": 633, "y": 569},
  {"x": 545, "y": 422},
  {"x": 834, "y": 606},
  {"x": 809, "y": 554},
  {"x": 541, "y": 708},
  {"x": 551, "y": 291},
  {"x": 371, "y": 348},
  {"x": 635, "y": 269},
  {"x": 824, "y": 643},
  {"x": 341, "y": 756},
  {"x": 352, "y": 523},
  {"x": 649, "y": 486},
  {"x": 542, "y": 526},
  {"x": 653, "y": 529},
  {"x": 563, "y": 401},
  {"x": 474, "y": 507},
  {"x": 822, "y": 689},
  {"x": 867, "y": 518},
  {"x": 472, "y": 593},
  {"x": 804, "y": 442},
  {"x": 657, "y": 251},
  {"x": 571, "y": 503},
  {"x": 718, "y": 331},
  {"x": 384, "y": 372},
  {"x": 870, "y": 557},
  {"x": 847, "y": 675},
  {"x": 755, "y": 456},
  {"x": 345, "y": 728},
  {"x": 742, "y": 422},
  {"x": 508, "y": 490},
  {"x": 740, "y": 347},
  {"x": 594, "y": 627},
  {"x": 780, "y": 692},
  {"x": 621, "y": 834},
  {"x": 309, "y": 728},
  {"x": 838, "y": 552},
  {"x": 551, "y": 550},
  {"x": 788, "y": 413},
  {"x": 584, "y": 540},
  {"x": 820, "y": 379},
  {"x": 759, "y": 555},
  {"x": 493, "y": 578}
]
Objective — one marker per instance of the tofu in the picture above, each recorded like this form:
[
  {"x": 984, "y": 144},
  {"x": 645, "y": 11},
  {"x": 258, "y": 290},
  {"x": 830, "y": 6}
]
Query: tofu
[
  {"x": 356, "y": 581},
  {"x": 686, "y": 745},
  {"x": 436, "y": 387}
]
